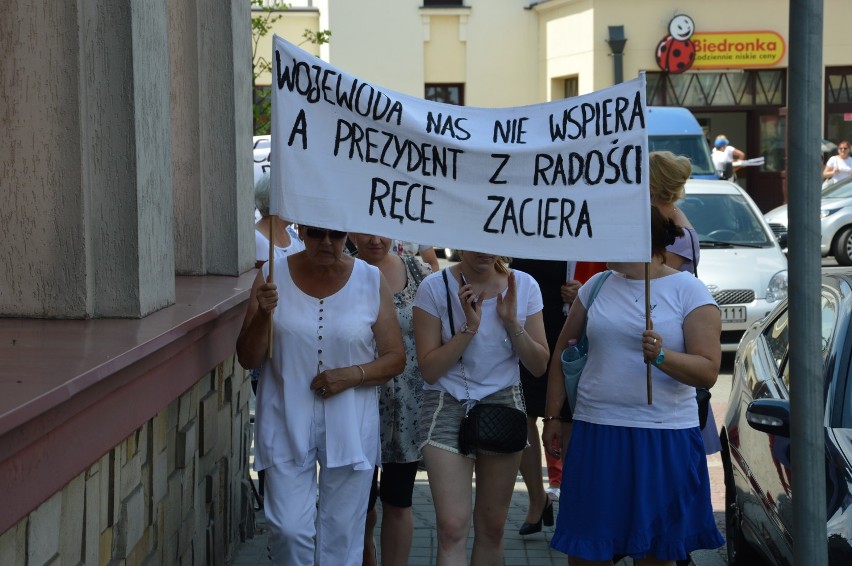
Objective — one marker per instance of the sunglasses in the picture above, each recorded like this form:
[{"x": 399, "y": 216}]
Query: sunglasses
[{"x": 320, "y": 234}]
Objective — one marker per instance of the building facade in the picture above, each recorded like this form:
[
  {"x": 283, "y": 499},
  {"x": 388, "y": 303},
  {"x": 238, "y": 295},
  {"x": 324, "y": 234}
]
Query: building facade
[{"x": 497, "y": 53}]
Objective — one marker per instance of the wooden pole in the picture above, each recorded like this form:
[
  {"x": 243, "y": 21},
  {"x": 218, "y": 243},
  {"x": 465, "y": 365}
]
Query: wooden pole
[
  {"x": 649, "y": 325},
  {"x": 271, "y": 277}
]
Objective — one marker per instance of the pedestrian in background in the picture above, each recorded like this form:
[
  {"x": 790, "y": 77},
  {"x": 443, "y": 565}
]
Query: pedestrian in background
[
  {"x": 724, "y": 155},
  {"x": 400, "y": 400},
  {"x": 839, "y": 166},
  {"x": 556, "y": 293}
]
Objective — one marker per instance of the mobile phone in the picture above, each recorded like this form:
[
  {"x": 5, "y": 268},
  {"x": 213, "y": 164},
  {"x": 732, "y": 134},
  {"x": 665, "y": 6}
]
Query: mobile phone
[{"x": 464, "y": 282}]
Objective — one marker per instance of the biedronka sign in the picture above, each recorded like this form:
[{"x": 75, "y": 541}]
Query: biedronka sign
[{"x": 563, "y": 180}]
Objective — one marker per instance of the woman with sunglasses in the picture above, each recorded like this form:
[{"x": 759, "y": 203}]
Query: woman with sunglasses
[
  {"x": 473, "y": 323},
  {"x": 335, "y": 338},
  {"x": 839, "y": 166},
  {"x": 399, "y": 409}
]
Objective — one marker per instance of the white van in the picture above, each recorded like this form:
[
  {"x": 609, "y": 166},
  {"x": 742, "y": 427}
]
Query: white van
[{"x": 675, "y": 129}]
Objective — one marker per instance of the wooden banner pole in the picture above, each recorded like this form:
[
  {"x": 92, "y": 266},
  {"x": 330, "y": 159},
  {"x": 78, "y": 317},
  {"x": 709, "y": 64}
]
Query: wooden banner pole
[
  {"x": 649, "y": 325},
  {"x": 271, "y": 277}
]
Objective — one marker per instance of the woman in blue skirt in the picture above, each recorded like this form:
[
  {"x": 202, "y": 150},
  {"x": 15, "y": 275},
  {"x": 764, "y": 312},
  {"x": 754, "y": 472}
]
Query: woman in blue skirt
[{"x": 638, "y": 484}]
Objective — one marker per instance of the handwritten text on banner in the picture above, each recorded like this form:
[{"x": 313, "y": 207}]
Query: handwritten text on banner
[{"x": 562, "y": 180}]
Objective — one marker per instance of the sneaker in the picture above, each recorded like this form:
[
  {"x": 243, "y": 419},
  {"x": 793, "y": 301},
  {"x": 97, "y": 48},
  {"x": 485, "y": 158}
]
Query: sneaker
[{"x": 553, "y": 492}]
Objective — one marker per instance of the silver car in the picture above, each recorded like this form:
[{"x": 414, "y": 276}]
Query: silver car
[
  {"x": 835, "y": 215},
  {"x": 741, "y": 263}
]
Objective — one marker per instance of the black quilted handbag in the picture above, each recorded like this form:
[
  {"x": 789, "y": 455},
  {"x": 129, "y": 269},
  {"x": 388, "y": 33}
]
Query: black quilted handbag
[
  {"x": 494, "y": 428},
  {"x": 488, "y": 426}
]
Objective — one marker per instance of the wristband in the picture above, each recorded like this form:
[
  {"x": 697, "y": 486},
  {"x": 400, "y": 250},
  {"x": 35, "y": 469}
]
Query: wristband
[
  {"x": 661, "y": 358},
  {"x": 545, "y": 419},
  {"x": 468, "y": 330},
  {"x": 363, "y": 375}
]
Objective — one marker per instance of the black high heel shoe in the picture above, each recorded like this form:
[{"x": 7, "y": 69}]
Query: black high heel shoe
[{"x": 546, "y": 518}]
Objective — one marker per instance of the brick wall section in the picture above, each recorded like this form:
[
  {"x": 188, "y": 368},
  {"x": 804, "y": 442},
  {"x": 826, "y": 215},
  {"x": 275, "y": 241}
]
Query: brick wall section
[{"x": 171, "y": 493}]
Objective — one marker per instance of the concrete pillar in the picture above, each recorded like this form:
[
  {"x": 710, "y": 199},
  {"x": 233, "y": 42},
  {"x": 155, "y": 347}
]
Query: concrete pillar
[
  {"x": 87, "y": 210},
  {"x": 212, "y": 129}
]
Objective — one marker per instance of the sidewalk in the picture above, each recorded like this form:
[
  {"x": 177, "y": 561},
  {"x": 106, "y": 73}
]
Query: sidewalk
[
  {"x": 531, "y": 550},
  {"x": 519, "y": 551}
]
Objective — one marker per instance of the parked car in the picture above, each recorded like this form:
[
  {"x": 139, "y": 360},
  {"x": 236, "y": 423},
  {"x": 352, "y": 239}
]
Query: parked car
[
  {"x": 835, "y": 215},
  {"x": 756, "y": 434},
  {"x": 741, "y": 261}
]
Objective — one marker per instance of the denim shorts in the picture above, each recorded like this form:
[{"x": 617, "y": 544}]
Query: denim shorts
[{"x": 441, "y": 416}]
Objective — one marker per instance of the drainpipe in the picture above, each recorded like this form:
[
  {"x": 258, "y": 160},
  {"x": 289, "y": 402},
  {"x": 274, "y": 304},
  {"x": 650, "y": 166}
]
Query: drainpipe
[{"x": 616, "y": 43}]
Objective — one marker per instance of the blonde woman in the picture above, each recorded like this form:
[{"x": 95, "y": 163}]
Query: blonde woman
[
  {"x": 667, "y": 178},
  {"x": 496, "y": 322}
]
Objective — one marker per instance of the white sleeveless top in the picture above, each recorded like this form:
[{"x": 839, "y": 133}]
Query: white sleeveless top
[{"x": 309, "y": 334}]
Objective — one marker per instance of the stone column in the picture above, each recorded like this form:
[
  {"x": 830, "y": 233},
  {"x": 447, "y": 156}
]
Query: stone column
[
  {"x": 87, "y": 209},
  {"x": 212, "y": 128}
]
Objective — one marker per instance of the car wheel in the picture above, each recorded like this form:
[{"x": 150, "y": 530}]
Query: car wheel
[
  {"x": 739, "y": 552},
  {"x": 451, "y": 254},
  {"x": 843, "y": 247}
]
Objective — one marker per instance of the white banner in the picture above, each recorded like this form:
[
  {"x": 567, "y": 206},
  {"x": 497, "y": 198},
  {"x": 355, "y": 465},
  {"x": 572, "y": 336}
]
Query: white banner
[{"x": 562, "y": 180}]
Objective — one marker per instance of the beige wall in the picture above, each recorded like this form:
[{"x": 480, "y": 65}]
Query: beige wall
[
  {"x": 502, "y": 51},
  {"x": 445, "y": 49},
  {"x": 576, "y": 33},
  {"x": 508, "y": 55},
  {"x": 291, "y": 27},
  {"x": 402, "y": 46}
]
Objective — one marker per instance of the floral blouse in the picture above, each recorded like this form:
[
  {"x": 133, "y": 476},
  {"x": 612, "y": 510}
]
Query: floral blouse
[{"x": 400, "y": 398}]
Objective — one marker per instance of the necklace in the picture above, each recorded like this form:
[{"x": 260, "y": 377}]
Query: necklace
[{"x": 640, "y": 304}]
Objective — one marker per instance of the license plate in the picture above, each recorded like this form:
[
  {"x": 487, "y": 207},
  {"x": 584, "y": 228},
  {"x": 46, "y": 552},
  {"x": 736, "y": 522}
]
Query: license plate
[{"x": 733, "y": 314}]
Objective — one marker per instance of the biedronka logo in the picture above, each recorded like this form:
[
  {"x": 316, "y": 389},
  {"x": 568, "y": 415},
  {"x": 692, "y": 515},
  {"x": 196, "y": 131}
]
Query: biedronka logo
[{"x": 685, "y": 49}]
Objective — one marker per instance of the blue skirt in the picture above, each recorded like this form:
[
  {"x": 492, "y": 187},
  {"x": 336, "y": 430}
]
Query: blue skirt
[{"x": 634, "y": 492}]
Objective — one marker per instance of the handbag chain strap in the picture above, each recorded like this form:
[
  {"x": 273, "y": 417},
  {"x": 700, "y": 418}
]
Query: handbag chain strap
[{"x": 468, "y": 403}]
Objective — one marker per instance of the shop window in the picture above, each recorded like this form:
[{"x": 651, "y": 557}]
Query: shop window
[
  {"x": 450, "y": 93},
  {"x": 769, "y": 88},
  {"x": 838, "y": 103},
  {"x": 743, "y": 88},
  {"x": 571, "y": 86},
  {"x": 838, "y": 86}
]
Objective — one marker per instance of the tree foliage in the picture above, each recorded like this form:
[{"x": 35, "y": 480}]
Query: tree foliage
[{"x": 264, "y": 15}]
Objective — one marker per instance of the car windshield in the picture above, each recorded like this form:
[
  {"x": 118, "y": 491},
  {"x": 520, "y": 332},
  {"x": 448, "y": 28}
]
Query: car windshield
[
  {"x": 693, "y": 147},
  {"x": 843, "y": 189},
  {"x": 724, "y": 219}
]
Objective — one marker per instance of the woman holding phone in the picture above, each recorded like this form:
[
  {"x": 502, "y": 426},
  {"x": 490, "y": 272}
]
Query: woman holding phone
[{"x": 473, "y": 323}]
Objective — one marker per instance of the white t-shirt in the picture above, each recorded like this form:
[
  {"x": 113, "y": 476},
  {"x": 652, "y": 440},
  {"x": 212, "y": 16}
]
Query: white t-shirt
[
  {"x": 723, "y": 156},
  {"x": 844, "y": 167},
  {"x": 261, "y": 245},
  {"x": 613, "y": 389},
  {"x": 490, "y": 363}
]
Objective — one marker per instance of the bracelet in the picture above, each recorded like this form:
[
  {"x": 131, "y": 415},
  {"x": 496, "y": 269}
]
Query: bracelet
[
  {"x": 518, "y": 333},
  {"x": 363, "y": 375},
  {"x": 468, "y": 330},
  {"x": 545, "y": 419}
]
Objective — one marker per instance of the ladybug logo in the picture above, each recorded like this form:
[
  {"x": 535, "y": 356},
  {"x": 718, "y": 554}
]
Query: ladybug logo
[{"x": 676, "y": 52}]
